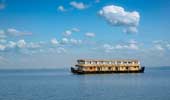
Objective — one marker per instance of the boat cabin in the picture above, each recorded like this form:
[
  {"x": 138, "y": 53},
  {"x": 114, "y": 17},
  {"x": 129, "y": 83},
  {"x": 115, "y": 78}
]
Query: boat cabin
[{"x": 108, "y": 65}]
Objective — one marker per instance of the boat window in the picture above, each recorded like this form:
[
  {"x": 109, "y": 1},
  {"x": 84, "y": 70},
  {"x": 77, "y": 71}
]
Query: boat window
[
  {"x": 119, "y": 62},
  {"x": 115, "y": 62},
  {"x": 99, "y": 62},
  {"x": 92, "y": 62},
  {"x": 109, "y": 68},
  {"x": 112, "y": 62},
  {"x": 95, "y": 62},
  {"x": 81, "y": 62},
  {"x": 98, "y": 68},
  {"x": 116, "y": 68},
  {"x": 107, "y": 62},
  {"x": 124, "y": 62},
  {"x": 135, "y": 62},
  {"x": 129, "y": 62},
  {"x": 88, "y": 62}
]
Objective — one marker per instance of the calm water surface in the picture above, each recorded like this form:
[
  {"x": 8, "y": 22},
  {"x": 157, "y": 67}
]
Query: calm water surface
[{"x": 154, "y": 84}]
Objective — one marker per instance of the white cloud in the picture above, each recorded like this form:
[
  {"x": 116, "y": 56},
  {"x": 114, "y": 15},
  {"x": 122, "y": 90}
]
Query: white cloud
[
  {"x": 70, "y": 41},
  {"x": 117, "y": 16},
  {"x": 2, "y": 47},
  {"x": 168, "y": 46},
  {"x": 67, "y": 33},
  {"x": 74, "y": 41},
  {"x": 64, "y": 41},
  {"x": 130, "y": 30},
  {"x": 108, "y": 47},
  {"x": 158, "y": 41},
  {"x": 89, "y": 34},
  {"x": 2, "y": 5},
  {"x": 61, "y": 8},
  {"x": 54, "y": 41},
  {"x": 11, "y": 44},
  {"x": 131, "y": 45},
  {"x": 12, "y": 30},
  {"x": 61, "y": 50},
  {"x": 75, "y": 29},
  {"x": 58, "y": 50},
  {"x": 33, "y": 45},
  {"x": 15, "y": 32},
  {"x": 132, "y": 41},
  {"x": 2, "y": 40},
  {"x": 159, "y": 47},
  {"x": 118, "y": 46},
  {"x": 21, "y": 44},
  {"x": 2, "y": 34},
  {"x": 78, "y": 5}
]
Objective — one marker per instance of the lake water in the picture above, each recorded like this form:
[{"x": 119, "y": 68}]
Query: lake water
[{"x": 60, "y": 84}]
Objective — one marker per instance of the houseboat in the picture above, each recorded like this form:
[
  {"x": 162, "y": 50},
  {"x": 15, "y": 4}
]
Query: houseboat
[{"x": 85, "y": 66}]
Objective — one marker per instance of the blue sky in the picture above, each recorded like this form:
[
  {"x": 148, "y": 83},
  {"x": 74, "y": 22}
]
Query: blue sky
[{"x": 54, "y": 33}]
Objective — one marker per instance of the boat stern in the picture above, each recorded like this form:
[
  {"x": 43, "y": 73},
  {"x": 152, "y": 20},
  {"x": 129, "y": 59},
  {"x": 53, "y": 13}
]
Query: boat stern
[{"x": 142, "y": 69}]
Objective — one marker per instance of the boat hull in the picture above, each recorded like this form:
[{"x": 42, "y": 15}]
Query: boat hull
[{"x": 105, "y": 72}]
